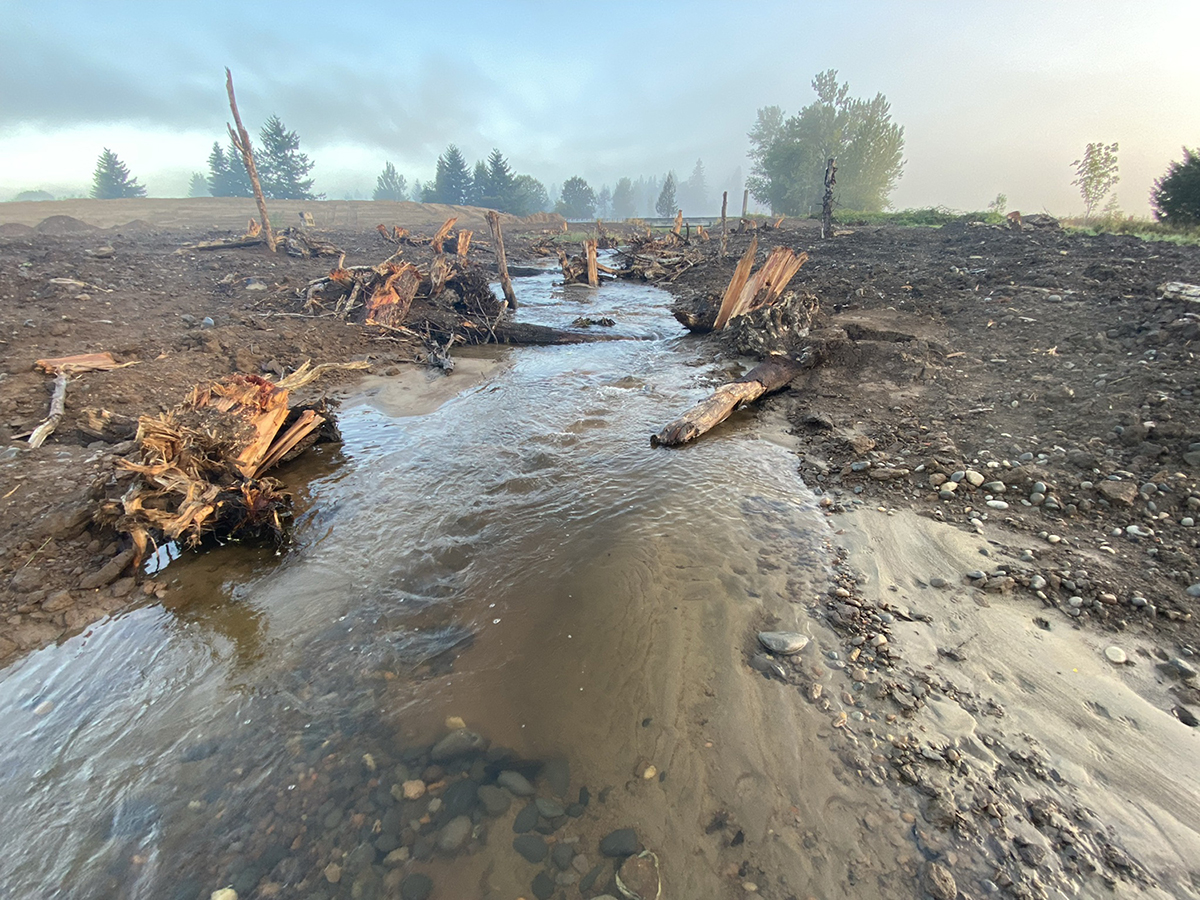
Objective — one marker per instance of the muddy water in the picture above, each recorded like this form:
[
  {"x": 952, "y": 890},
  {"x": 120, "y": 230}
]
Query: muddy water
[{"x": 517, "y": 557}]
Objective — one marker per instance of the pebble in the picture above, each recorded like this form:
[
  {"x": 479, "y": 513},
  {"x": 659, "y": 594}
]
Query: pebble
[
  {"x": 457, "y": 743},
  {"x": 333, "y": 873},
  {"x": 938, "y": 582},
  {"x": 974, "y": 478},
  {"x": 650, "y": 772},
  {"x": 785, "y": 643},
  {"x": 515, "y": 782},
  {"x": 526, "y": 819},
  {"x": 495, "y": 800},
  {"x": 543, "y": 886},
  {"x": 530, "y": 846},
  {"x": 1037, "y": 582},
  {"x": 416, "y": 887},
  {"x": 622, "y": 842},
  {"x": 551, "y": 809},
  {"x": 561, "y": 855},
  {"x": 1039, "y": 487},
  {"x": 995, "y": 487},
  {"x": 413, "y": 790},
  {"x": 223, "y": 894},
  {"x": 997, "y": 504},
  {"x": 1053, "y": 539},
  {"x": 1194, "y": 590},
  {"x": 455, "y": 834},
  {"x": 1116, "y": 655}
]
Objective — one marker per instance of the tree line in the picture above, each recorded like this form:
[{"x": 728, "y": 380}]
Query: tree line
[{"x": 788, "y": 156}]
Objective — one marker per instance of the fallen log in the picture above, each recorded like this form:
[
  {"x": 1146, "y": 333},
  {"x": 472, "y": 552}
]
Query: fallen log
[{"x": 769, "y": 376}]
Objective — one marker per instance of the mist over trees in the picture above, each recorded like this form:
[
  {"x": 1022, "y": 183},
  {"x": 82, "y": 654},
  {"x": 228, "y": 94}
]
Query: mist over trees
[
  {"x": 198, "y": 185},
  {"x": 578, "y": 200},
  {"x": 282, "y": 168},
  {"x": 692, "y": 195},
  {"x": 111, "y": 180},
  {"x": 390, "y": 185},
  {"x": 665, "y": 205},
  {"x": 788, "y": 155},
  {"x": 227, "y": 173}
]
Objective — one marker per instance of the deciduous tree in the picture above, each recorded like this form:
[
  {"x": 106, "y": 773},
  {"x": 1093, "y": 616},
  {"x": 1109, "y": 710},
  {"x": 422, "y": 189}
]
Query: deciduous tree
[
  {"x": 1096, "y": 175},
  {"x": 111, "y": 179},
  {"x": 789, "y": 154},
  {"x": 578, "y": 200},
  {"x": 529, "y": 196}
]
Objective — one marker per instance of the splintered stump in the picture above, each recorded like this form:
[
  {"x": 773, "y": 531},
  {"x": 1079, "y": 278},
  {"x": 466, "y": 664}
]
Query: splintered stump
[
  {"x": 202, "y": 465},
  {"x": 772, "y": 375},
  {"x": 510, "y": 296}
]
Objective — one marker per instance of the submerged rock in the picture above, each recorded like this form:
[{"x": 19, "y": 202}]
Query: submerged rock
[
  {"x": 458, "y": 743},
  {"x": 638, "y": 877},
  {"x": 785, "y": 643}
]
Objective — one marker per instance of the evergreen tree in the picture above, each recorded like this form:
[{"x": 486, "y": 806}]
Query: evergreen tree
[
  {"x": 623, "y": 205},
  {"x": 604, "y": 202},
  {"x": 693, "y": 193},
  {"x": 198, "y": 186},
  {"x": 452, "y": 182},
  {"x": 418, "y": 191},
  {"x": 528, "y": 196},
  {"x": 227, "y": 173},
  {"x": 665, "y": 206},
  {"x": 578, "y": 200},
  {"x": 1176, "y": 196},
  {"x": 390, "y": 185},
  {"x": 282, "y": 168},
  {"x": 480, "y": 189},
  {"x": 789, "y": 155},
  {"x": 501, "y": 192},
  {"x": 111, "y": 179}
]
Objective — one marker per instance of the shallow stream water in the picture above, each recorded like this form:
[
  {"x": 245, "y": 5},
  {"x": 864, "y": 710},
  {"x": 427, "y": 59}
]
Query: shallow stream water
[{"x": 519, "y": 558}]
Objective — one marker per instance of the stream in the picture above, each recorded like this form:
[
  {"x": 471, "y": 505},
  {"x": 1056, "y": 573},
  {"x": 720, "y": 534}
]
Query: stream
[{"x": 518, "y": 560}]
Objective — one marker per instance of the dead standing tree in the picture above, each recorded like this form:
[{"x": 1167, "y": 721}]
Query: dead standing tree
[
  {"x": 510, "y": 296},
  {"x": 241, "y": 140},
  {"x": 827, "y": 201}
]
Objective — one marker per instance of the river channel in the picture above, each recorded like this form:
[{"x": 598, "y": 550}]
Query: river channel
[{"x": 517, "y": 560}]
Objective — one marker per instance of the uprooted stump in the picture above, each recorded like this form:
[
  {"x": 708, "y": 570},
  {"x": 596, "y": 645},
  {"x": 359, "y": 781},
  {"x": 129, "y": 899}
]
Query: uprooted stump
[{"x": 202, "y": 465}]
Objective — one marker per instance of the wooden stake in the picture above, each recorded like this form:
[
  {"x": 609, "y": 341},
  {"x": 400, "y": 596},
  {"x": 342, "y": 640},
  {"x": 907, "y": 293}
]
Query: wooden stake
[
  {"x": 593, "y": 276},
  {"x": 241, "y": 140},
  {"x": 745, "y": 201},
  {"x": 762, "y": 379},
  {"x": 740, "y": 276},
  {"x": 724, "y": 233},
  {"x": 493, "y": 219},
  {"x": 678, "y": 223}
]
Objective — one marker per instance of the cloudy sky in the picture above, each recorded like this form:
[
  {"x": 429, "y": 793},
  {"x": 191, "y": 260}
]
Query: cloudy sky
[{"x": 993, "y": 96}]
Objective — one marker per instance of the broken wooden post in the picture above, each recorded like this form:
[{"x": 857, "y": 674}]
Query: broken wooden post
[
  {"x": 678, "y": 226},
  {"x": 58, "y": 406},
  {"x": 464, "y": 244},
  {"x": 442, "y": 234},
  {"x": 772, "y": 375},
  {"x": 724, "y": 232},
  {"x": 241, "y": 140},
  {"x": 745, "y": 201},
  {"x": 827, "y": 201},
  {"x": 593, "y": 277},
  {"x": 493, "y": 219}
]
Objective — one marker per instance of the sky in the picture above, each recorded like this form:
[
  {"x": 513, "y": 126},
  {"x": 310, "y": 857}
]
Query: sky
[{"x": 994, "y": 97}]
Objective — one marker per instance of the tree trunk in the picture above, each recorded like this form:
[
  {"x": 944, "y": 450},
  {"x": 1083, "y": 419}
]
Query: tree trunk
[
  {"x": 764, "y": 378},
  {"x": 241, "y": 140},
  {"x": 510, "y": 296},
  {"x": 745, "y": 201},
  {"x": 724, "y": 232},
  {"x": 827, "y": 202},
  {"x": 593, "y": 276}
]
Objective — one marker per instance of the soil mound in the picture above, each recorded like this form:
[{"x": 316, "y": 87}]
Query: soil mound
[
  {"x": 14, "y": 229},
  {"x": 62, "y": 225}
]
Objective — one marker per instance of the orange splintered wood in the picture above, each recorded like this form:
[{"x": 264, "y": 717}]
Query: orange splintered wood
[
  {"x": 736, "y": 283},
  {"x": 464, "y": 244},
  {"x": 678, "y": 226},
  {"x": 81, "y": 362},
  {"x": 390, "y": 302}
]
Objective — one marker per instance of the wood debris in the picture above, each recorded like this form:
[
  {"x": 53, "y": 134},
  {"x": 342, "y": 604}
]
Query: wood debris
[
  {"x": 63, "y": 367},
  {"x": 201, "y": 465}
]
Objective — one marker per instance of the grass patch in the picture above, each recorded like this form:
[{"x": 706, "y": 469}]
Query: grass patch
[
  {"x": 933, "y": 216},
  {"x": 1146, "y": 229}
]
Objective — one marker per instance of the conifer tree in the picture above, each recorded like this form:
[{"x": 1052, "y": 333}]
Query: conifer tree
[
  {"x": 227, "y": 173},
  {"x": 282, "y": 168},
  {"x": 111, "y": 179},
  {"x": 452, "y": 181},
  {"x": 390, "y": 185},
  {"x": 665, "y": 206}
]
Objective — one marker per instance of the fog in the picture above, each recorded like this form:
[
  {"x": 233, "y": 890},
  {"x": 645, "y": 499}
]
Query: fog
[{"x": 993, "y": 98}]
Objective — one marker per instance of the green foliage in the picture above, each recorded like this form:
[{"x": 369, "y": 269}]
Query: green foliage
[
  {"x": 578, "y": 200},
  {"x": 390, "y": 185},
  {"x": 1176, "y": 196},
  {"x": 1146, "y": 229},
  {"x": 933, "y": 216},
  {"x": 665, "y": 205},
  {"x": 624, "y": 205},
  {"x": 227, "y": 173},
  {"x": 111, "y": 179},
  {"x": 529, "y": 196},
  {"x": 789, "y": 155},
  {"x": 282, "y": 168},
  {"x": 999, "y": 205},
  {"x": 452, "y": 182},
  {"x": 1096, "y": 175},
  {"x": 603, "y": 203}
]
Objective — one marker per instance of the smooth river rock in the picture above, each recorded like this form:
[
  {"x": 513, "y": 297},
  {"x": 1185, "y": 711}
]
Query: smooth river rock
[
  {"x": 416, "y": 887},
  {"x": 517, "y": 783},
  {"x": 458, "y": 743},
  {"x": 530, "y": 846},
  {"x": 785, "y": 643},
  {"x": 455, "y": 834},
  {"x": 622, "y": 842}
]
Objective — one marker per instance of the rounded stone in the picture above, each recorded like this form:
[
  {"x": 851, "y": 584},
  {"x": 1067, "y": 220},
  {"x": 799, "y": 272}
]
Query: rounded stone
[
  {"x": 455, "y": 834},
  {"x": 416, "y": 887},
  {"x": 495, "y": 800},
  {"x": 1115, "y": 655},
  {"x": 550, "y": 809},
  {"x": 517, "y": 783},
  {"x": 785, "y": 643},
  {"x": 531, "y": 847},
  {"x": 997, "y": 504},
  {"x": 622, "y": 842}
]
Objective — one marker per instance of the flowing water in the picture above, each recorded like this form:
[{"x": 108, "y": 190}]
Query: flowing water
[{"x": 518, "y": 557}]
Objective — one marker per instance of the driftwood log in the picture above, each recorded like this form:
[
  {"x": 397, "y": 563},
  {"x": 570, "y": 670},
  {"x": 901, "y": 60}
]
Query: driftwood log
[{"x": 769, "y": 376}]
